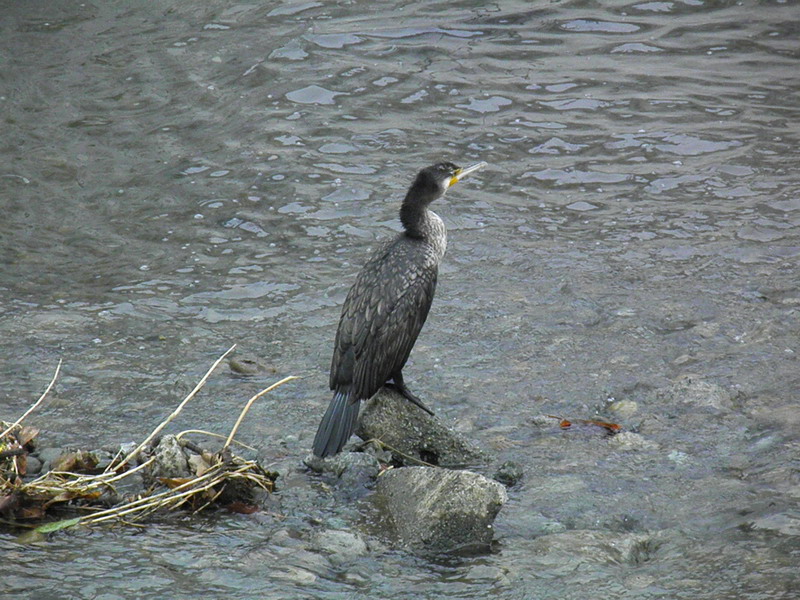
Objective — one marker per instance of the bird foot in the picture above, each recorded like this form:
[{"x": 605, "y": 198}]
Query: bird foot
[{"x": 404, "y": 391}]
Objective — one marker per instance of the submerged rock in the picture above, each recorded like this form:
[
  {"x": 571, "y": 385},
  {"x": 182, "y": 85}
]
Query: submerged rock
[
  {"x": 628, "y": 440},
  {"x": 340, "y": 546},
  {"x": 340, "y": 464},
  {"x": 356, "y": 471},
  {"x": 439, "y": 510},
  {"x": 571, "y": 549},
  {"x": 509, "y": 473},
  {"x": 404, "y": 428},
  {"x": 691, "y": 390}
]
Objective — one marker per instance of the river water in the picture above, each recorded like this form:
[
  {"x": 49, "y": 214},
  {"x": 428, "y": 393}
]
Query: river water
[{"x": 177, "y": 176}]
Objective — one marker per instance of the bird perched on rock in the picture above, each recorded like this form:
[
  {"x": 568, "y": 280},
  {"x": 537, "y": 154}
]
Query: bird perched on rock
[{"x": 386, "y": 308}]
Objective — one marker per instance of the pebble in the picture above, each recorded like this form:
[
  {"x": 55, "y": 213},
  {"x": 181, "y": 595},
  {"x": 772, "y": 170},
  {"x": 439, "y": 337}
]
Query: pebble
[
  {"x": 509, "y": 473},
  {"x": 624, "y": 409},
  {"x": 341, "y": 546},
  {"x": 34, "y": 465},
  {"x": 628, "y": 440}
]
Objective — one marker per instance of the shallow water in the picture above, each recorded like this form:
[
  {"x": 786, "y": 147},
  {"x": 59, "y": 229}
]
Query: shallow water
[{"x": 177, "y": 177}]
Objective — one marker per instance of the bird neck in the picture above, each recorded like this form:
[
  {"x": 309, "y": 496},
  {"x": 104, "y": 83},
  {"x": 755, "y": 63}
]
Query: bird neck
[{"x": 416, "y": 219}]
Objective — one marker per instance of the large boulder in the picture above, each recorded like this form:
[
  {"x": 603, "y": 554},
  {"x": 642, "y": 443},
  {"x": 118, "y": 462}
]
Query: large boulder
[
  {"x": 438, "y": 510},
  {"x": 406, "y": 430}
]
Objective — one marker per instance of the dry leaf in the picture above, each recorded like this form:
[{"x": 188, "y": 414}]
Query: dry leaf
[{"x": 198, "y": 464}]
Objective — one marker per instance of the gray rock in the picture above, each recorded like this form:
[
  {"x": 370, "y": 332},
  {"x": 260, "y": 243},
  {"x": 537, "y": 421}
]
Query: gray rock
[
  {"x": 439, "y": 510},
  {"x": 170, "y": 459},
  {"x": 406, "y": 429}
]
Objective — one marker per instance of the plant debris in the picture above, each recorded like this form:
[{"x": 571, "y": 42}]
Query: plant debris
[
  {"x": 610, "y": 428},
  {"x": 161, "y": 473}
]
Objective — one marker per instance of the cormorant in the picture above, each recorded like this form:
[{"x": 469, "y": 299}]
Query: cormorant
[{"x": 386, "y": 308}]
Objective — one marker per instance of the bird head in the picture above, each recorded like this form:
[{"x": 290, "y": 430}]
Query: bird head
[{"x": 432, "y": 182}]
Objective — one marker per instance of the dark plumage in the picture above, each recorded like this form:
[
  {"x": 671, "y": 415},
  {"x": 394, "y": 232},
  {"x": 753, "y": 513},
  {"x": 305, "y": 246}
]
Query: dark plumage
[{"x": 386, "y": 308}]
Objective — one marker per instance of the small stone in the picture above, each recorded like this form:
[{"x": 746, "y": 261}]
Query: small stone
[
  {"x": 48, "y": 455},
  {"x": 543, "y": 421},
  {"x": 624, "y": 408},
  {"x": 102, "y": 458},
  {"x": 356, "y": 471},
  {"x": 509, "y": 473},
  {"x": 33, "y": 465},
  {"x": 247, "y": 366},
  {"x": 340, "y": 546},
  {"x": 627, "y": 440},
  {"x": 691, "y": 390},
  {"x": 571, "y": 550},
  {"x": 294, "y": 575},
  {"x": 128, "y": 488},
  {"x": 679, "y": 458}
]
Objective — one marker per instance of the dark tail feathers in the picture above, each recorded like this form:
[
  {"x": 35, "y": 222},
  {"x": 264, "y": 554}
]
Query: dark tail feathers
[{"x": 337, "y": 425}]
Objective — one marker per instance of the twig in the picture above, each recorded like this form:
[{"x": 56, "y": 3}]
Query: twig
[
  {"x": 174, "y": 414},
  {"x": 35, "y": 404},
  {"x": 214, "y": 499},
  {"x": 143, "y": 503},
  {"x": 386, "y": 446},
  {"x": 249, "y": 404},
  {"x": 180, "y": 435}
]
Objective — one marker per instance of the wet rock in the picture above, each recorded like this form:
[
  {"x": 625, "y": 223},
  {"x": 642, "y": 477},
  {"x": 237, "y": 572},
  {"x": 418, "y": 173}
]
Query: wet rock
[
  {"x": 360, "y": 474},
  {"x": 623, "y": 409},
  {"x": 406, "y": 429},
  {"x": 77, "y": 461},
  {"x": 293, "y": 575},
  {"x": 343, "y": 462},
  {"x": 509, "y": 473},
  {"x": 103, "y": 459},
  {"x": 543, "y": 421},
  {"x": 340, "y": 546},
  {"x": 125, "y": 449},
  {"x": 569, "y": 550},
  {"x": 48, "y": 455},
  {"x": 691, "y": 390},
  {"x": 531, "y": 524},
  {"x": 33, "y": 465},
  {"x": 126, "y": 489},
  {"x": 628, "y": 440},
  {"x": 356, "y": 471},
  {"x": 247, "y": 366},
  {"x": 439, "y": 510},
  {"x": 491, "y": 574},
  {"x": 170, "y": 459}
]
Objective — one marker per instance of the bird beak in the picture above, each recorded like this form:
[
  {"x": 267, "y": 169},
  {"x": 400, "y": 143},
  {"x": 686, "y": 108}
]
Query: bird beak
[{"x": 461, "y": 173}]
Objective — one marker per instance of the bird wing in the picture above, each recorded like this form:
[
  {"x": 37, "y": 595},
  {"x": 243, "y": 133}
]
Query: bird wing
[{"x": 381, "y": 319}]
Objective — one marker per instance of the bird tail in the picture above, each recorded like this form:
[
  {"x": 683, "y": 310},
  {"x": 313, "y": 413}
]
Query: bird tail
[{"x": 337, "y": 425}]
